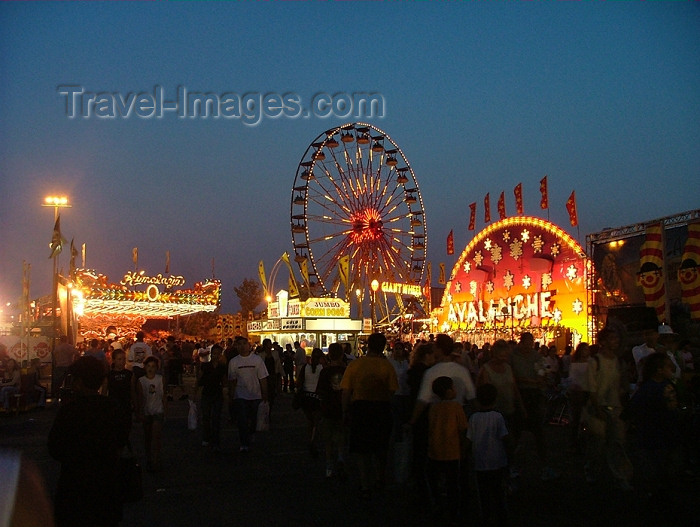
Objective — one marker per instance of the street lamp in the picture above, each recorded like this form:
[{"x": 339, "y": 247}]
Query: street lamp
[
  {"x": 358, "y": 294},
  {"x": 56, "y": 202},
  {"x": 374, "y": 285}
]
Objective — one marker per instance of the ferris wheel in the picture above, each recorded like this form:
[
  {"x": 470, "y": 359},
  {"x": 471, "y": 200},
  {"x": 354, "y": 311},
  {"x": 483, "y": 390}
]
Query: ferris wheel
[{"x": 356, "y": 199}]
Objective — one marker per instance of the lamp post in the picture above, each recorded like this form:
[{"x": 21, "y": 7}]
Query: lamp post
[
  {"x": 374, "y": 285},
  {"x": 56, "y": 202},
  {"x": 358, "y": 295}
]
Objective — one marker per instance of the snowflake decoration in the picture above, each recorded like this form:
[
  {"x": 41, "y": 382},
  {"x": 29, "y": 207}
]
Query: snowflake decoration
[
  {"x": 448, "y": 297},
  {"x": 546, "y": 280},
  {"x": 571, "y": 272},
  {"x": 473, "y": 285},
  {"x": 527, "y": 282},
  {"x": 467, "y": 267},
  {"x": 458, "y": 287},
  {"x": 489, "y": 286},
  {"x": 508, "y": 280},
  {"x": 556, "y": 248},
  {"x": 577, "y": 306},
  {"x": 478, "y": 258},
  {"x": 537, "y": 244},
  {"x": 506, "y": 236},
  {"x": 516, "y": 249},
  {"x": 496, "y": 254},
  {"x": 525, "y": 235},
  {"x": 557, "y": 315},
  {"x": 487, "y": 244}
]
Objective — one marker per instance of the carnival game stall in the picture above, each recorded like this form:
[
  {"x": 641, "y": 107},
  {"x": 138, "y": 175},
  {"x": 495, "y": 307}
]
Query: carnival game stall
[{"x": 518, "y": 274}]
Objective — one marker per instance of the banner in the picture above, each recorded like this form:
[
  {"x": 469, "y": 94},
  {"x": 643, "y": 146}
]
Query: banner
[
  {"x": 502, "y": 206},
  {"x": 441, "y": 278},
  {"x": 689, "y": 271},
  {"x": 487, "y": 208},
  {"x": 167, "y": 262},
  {"x": 73, "y": 255},
  {"x": 56, "y": 238},
  {"x": 571, "y": 208},
  {"x": 451, "y": 243},
  {"x": 261, "y": 274},
  {"x": 135, "y": 257},
  {"x": 544, "y": 200},
  {"x": 305, "y": 272},
  {"x": 84, "y": 252},
  {"x": 518, "y": 191},
  {"x": 344, "y": 269},
  {"x": 651, "y": 271},
  {"x": 472, "y": 217}
]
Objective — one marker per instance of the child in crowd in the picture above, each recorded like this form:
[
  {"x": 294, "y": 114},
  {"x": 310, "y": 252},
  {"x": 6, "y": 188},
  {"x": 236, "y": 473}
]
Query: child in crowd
[
  {"x": 490, "y": 445},
  {"x": 151, "y": 410},
  {"x": 446, "y": 447}
]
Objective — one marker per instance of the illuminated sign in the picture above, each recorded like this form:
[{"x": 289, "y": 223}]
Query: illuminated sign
[
  {"x": 290, "y": 324},
  {"x": 133, "y": 278},
  {"x": 325, "y": 308},
  {"x": 402, "y": 289}
]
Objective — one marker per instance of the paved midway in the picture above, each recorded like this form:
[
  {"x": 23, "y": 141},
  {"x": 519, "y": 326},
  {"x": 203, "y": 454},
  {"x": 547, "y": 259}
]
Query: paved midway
[{"x": 279, "y": 484}]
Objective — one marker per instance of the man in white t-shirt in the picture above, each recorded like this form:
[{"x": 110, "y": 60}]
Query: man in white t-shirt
[
  {"x": 138, "y": 352},
  {"x": 247, "y": 376},
  {"x": 639, "y": 353}
]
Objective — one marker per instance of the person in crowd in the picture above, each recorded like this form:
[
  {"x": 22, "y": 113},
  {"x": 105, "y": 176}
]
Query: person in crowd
[
  {"x": 491, "y": 447},
  {"x": 525, "y": 361},
  {"x": 446, "y": 442},
  {"x": 288, "y": 369},
  {"x": 272, "y": 361},
  {"x": 64, "y": 355},
  {"x": 400, "y": 400},
  {"x": 151, "y": 411},
  {"x": 34, "y": 371},
  {"x": 307, "y": 382},
  {"x": 639, "y": 353},
  {"x": 95, "y": 350},
  {"x": 299, "y": 358},
  {"x": 138, "y": 352},
  {"x": 119, "y": 387},
  {"x": 552, "y": 366},
  {"x": 422, "y": 357},
  {"x": 10, "y": 383},
  {"x": 654, "y": 410},
  {"x": 368, "y": 384},
  {"x": 565, "y": 361},
  {"x": 608, "y": 389},
  {"x": 247, "y": 377},
  {"x": 87, "y": 438},
  {"x": 498, "y": 372},
  {"x": 331, "y": 425},
  {"x": 211, "y": 379},
  {"x": 577, "y": 391},
  {"x": 174, "y": 366}
]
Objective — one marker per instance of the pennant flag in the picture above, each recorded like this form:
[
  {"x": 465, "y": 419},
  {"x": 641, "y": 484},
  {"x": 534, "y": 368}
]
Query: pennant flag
[
  {"x": 571, "y": 208},
  {"x": 472, "y": 216},
  {"x": 285, "y": 259},
  {"x": 73, "y": 255},
  {"x": 518, "y": 191},
  {"x": 451, "y": 243},
  {"x": 135, "y": 257},
  {"x": 441, "y": 277},
  {"x": 344, "y": 269},
  {"x": 487, "y": 208},
  {"x": 544, "y": 200},
  {"x": 261, "y": 274},
  {"x": 56, "y": 244},
  {"x": 305, "y": 272},
  {"x": 293, "y": 289},
  {"x": 26, "y": 279},
  {"x": 426, "y": 288},
  {"x": 502, "y": 206},
  {"x": 83, "y": 251},
  {"x": 689, "y": 271},
  {"x": 651, "y": 271},
  {"x": 167, "y": 262}
]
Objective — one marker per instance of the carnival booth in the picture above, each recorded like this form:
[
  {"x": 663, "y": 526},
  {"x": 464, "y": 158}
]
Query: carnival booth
[
  {"x": 518, "y": 274},
  {"x": 314, "y": 323}
]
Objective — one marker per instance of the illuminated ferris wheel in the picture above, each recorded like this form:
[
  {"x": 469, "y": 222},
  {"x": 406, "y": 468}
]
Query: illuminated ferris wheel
[{"x": 356, "y": 196}]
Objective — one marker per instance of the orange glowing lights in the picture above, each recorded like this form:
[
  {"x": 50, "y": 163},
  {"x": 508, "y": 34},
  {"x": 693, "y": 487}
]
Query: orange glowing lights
[{"x": 367, "y": 226}]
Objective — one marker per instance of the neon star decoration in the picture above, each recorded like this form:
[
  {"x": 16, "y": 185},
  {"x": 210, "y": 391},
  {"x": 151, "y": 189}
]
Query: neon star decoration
[
  {"x": 487, "y": 244},
  {"x": 546, "y": 281},
  {"x": 537, "y": 244},
  {"x": 467, "y": 267},
  {"x": 506, "y": 236},
  {"x": 496, "y": 254},
  {"x": 458, "y": 287},
  {"x": 473, "y": 287},
  {"x": 527, "y": 282},
  {"x": 571, "y": 272},
  {"x": 489, "y": 286},
  {"x": 516, "y": 249},
  {"x": 556, "y": 248},
  {"x": 557, "y": 315},
  {"x": 508, "y": 280},
  {"x": 478, "y": 258},
  {"x": 577, "y": 306},
  {"x": 525, "y": 235}
]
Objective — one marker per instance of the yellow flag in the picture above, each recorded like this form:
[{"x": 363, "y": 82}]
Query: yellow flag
[
  {"x": 343, "y": 269},
  {"x": 305, "y": 272},
  {"x": 261, "y": 272},
  {"x": 293, "y": 290},
  {"x": 429, "y": 271},
  {"x": 135, "y": 257},
  {"x": 441, "y": 280}
]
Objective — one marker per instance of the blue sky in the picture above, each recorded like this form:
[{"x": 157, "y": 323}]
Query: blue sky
[{"x": 602, "y": 97}]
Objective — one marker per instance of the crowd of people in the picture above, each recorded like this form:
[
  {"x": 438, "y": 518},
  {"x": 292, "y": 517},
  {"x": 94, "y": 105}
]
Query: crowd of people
[{"x": 461, "y": 409}]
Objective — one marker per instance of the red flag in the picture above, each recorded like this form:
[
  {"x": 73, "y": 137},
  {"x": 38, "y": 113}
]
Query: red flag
[
  {"x": 571, "y": 207},
  {"x": 502, "y": 206},
  {"x": 472, "y": 216},
  {"x": 487, "y": 208},
  {"x": 450, "y": 243},
  {"x": 544, "y": 201},
  {"x": 518, "y": 191}
]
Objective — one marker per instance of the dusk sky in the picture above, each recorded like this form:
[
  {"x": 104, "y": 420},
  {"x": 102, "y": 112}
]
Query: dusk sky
[{"x": 602, "y": 97}]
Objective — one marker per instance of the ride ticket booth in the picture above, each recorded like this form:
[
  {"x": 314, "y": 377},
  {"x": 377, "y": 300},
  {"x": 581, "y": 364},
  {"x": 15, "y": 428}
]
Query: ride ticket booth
[{"x": 314, "y": 323}]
